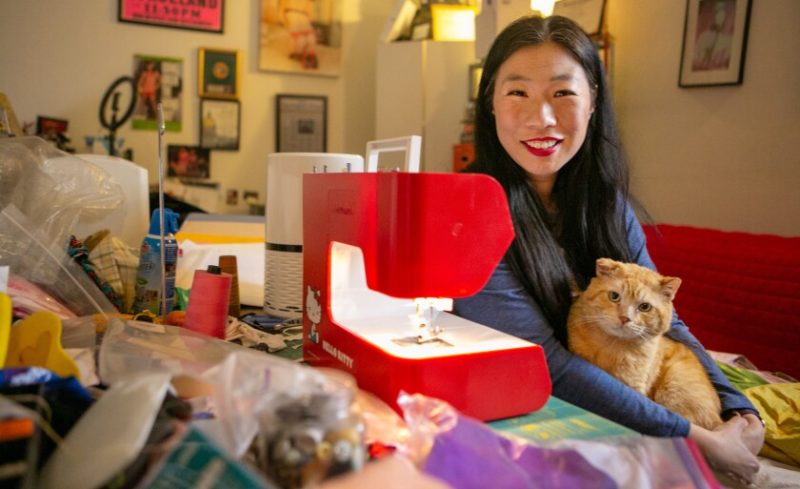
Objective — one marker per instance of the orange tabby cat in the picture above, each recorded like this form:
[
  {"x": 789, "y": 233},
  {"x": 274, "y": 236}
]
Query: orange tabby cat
[{"x": 618, "y": 323}]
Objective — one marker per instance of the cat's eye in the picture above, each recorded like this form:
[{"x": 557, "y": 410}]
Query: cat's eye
[
  {"x": 645, "y": 307},
  {"x": 613, "y": 296}
]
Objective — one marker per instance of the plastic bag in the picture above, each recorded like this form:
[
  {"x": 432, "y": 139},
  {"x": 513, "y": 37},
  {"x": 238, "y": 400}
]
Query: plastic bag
[
  {"x": 31, "y": 255},
  {"x": 469, "y": 454},
  {"x": 134, "y": 346},
  {"x": 53, "y": 189},
  {"x": 241, "y": 384}
]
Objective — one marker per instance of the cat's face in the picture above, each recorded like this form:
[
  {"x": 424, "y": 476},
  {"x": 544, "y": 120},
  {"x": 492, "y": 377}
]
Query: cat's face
[{"x": 629, "y": 301}]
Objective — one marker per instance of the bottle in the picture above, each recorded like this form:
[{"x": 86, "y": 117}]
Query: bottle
[{"x": 148, "y": 277}]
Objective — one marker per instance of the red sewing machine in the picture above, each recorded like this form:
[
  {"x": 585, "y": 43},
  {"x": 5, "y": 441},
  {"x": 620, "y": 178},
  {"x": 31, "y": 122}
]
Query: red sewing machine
[{"x": 384, "y": 253}]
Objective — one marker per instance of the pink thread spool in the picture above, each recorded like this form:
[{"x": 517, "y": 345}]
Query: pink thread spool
[{"x": 207, "y": 312}]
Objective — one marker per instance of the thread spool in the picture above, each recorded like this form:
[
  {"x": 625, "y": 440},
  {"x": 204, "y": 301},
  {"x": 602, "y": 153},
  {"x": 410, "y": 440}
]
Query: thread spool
[
  {"x": 228, "y": 265},
  {"x": 207, "y": 312}
]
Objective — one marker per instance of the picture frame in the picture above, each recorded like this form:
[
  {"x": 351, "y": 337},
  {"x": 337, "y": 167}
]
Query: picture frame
[
  {"x": 158, "y": 79},
  {"x": 220, "y": 124},
  {"x": 49, "y": 127},
  {"x": 218, "y": 73},
  {"x": 301, "y": 37},
  {"x": 474, "y": 82},
  {"x": 186, "y": 161},
  {"x": 589, "y": 14},
  {"x": 301, "y": 123},
  {"x": 197, "y": 16},
  {"x": 714, "y": 43}
]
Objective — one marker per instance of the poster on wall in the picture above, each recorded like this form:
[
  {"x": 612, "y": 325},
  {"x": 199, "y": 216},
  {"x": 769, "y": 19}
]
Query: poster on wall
[
  {"x": 188, "y": 161},
  {"x": 158, "y": 79},
  {"x": 301, "y": 36},
  {"x": 218, "y": 73},
  {"x": 206, "y": 15},
  {"x": 301, "y": 123},
  {"x": 219, "y": 124}
]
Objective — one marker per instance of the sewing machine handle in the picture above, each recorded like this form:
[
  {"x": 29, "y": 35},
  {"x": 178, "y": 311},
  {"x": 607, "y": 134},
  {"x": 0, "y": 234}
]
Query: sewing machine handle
[{"x": 410, "y": 144}]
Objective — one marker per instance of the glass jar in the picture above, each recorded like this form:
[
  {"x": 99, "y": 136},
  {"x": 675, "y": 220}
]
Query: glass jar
[{"x": 309, "y": 438}]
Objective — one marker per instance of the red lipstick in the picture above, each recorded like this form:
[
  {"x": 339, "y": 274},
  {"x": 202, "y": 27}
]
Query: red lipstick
[{"x": 542, "y": 146}]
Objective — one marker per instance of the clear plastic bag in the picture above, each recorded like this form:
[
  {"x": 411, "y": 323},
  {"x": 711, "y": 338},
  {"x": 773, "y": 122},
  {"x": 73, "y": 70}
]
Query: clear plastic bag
[
  {"x": 238, "y": 384},
  {"x": 29, "y": 254},
  {"x": 469, "y": 454},
  {"x": 53, "y": 189}
]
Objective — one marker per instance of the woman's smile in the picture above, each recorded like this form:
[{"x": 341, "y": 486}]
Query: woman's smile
[{"x": 542, "y": 146}]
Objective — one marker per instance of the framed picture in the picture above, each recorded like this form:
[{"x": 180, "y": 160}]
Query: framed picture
[
  {"x": 50, "y": 128},
  {"x": 301, "y": 123},
  {"x": 158, "y": 79},
  {"x": 219, "y": 124},
  {"x": 188, "y": 161},
  {"x": 218, "y": 75},
  {"x": 475, "y": 72},
  {"x": 714, "y": 42},
  {"x": 205, "y": 16},
  {"x": 301, "y": 36},
  {"x": 586, "y": 13}
]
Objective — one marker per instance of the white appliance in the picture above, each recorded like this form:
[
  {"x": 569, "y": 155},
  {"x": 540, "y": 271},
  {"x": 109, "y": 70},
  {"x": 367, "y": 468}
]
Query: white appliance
[{"x": 283, "y": 260}]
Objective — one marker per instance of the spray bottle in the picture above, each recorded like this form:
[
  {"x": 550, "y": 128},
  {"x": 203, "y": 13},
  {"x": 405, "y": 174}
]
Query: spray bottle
[{"x": 148, "y": 278}]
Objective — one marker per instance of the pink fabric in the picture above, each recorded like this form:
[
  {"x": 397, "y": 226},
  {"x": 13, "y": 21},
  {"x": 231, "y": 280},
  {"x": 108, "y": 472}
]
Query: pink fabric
[{"x": 740, "y": 291}]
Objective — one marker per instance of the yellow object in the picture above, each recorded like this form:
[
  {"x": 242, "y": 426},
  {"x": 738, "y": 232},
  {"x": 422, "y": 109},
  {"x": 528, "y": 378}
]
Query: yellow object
[
  {"x": 453, "y": 22},
  {"x": 5, "y": 325},
  {"x": 36, "y": 342},
  {"x": 779, "y": 405},
  {"x": 207, "y": 238}
]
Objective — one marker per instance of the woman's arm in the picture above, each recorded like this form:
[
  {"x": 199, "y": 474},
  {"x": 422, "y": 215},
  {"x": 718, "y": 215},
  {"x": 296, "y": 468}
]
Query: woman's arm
[
  {"x": 731, "y": 399},
  {"x": 503, "y": 304}
]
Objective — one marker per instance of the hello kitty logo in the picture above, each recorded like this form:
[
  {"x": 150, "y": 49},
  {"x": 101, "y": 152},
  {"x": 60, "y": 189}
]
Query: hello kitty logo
[{"x": 313, "y": 312}]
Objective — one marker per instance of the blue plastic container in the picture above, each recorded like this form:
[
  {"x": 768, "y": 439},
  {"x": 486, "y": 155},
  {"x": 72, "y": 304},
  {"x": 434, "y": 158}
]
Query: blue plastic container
[{"x": 148, "y": 278}]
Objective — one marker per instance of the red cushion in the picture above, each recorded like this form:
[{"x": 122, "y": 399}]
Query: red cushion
[{"x": 740, "y": 291}]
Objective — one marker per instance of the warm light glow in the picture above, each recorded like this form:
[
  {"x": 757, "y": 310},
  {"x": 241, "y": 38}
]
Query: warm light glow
[
  {"x": 453, "y": 22},
  {"x": 545, "y": 7}
]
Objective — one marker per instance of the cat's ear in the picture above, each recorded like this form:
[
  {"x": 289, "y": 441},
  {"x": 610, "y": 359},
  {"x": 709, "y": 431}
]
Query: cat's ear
[
  {"x": 606, "y": 266},
  {"x": 669, "y": 286}
]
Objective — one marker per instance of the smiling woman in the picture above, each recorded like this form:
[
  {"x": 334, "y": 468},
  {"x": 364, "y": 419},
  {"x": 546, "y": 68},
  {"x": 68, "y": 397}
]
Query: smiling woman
[{"x": 544, "y": 128}]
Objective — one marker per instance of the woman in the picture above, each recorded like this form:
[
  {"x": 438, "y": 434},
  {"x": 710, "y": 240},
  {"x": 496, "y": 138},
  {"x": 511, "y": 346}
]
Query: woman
[{"x": 545, "y": 130}]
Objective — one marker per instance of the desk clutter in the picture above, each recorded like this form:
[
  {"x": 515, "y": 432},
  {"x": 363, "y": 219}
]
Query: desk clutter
[{"x": 111, "y": 380}]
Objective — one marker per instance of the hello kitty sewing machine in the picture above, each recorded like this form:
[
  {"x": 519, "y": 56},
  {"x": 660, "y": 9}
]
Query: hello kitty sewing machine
[{"x": 381, "y": 251}]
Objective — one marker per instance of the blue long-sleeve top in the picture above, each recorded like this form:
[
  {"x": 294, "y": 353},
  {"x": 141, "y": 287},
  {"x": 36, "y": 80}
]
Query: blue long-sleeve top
[{"x": 505, "y": 305}]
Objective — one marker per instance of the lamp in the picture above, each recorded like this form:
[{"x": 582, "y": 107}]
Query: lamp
[
  {"x": 453, "y": 22},
  {"x": 544, "y": 7},
  {"x": 495, "y": 15}
]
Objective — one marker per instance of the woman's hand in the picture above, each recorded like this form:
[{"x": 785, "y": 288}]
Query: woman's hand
[
  {"x": 725, "y": 448},
  {"x": 753, "y": 434}
]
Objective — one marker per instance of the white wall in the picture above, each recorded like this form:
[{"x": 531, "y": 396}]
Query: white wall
[
  {"x": 722, "y": 157},
  {"x": 59, "y": 56}
]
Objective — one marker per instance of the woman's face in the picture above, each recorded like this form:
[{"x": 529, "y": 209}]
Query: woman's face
[{"x": 542, "y": 103}]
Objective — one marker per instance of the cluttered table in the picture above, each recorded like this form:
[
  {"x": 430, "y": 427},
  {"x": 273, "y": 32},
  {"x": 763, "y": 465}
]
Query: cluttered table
[{"x": 94, "y": 398}]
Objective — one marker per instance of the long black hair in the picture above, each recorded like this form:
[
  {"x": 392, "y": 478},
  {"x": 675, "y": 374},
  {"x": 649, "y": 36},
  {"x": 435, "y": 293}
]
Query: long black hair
[{"x": 589, "y": 192}]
